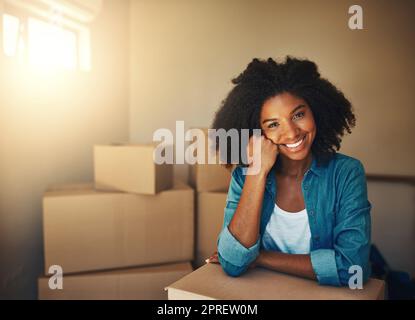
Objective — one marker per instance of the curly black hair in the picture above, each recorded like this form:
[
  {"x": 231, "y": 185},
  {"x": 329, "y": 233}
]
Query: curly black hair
[{"x": 262, "y": 80}]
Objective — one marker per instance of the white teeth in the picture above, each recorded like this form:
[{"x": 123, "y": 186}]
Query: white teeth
[{"x": 295, "y": 144}]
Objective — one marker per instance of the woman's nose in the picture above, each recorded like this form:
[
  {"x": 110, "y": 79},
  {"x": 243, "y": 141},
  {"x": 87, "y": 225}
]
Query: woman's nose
[{"x": 290, "y": 132}]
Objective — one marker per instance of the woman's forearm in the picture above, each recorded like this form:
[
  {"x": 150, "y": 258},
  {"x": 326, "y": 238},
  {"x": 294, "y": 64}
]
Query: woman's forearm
[
  {"x": 295, "y": 264},
  {"x": 245, "y": 222}
]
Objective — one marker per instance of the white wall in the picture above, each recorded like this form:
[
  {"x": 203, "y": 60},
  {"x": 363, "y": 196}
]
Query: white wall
[
  {"x": 48, "y": 125},
  {"x": 184, "y": 54}
]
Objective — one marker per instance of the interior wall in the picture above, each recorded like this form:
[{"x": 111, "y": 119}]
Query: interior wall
[
  {"x": 184, "y": 54},
  {"x": 393, "y": 223},
  {"x": 48, "y": 126}
]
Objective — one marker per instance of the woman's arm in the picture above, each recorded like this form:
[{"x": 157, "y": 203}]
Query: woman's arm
[
  {"x": 238, "y": 242},
  {"x": 351, "y": 233},
  {"x": 295, "y": 264},
  {"x": 245, "y": 223}
]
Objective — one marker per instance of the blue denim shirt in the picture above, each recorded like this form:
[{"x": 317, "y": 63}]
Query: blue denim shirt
[{"x": 335, "y": 197}]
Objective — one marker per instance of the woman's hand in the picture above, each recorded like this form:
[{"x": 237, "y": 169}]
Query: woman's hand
[
  {"x": 214, "y": 259},
  {"x": 265, "y": 156}
]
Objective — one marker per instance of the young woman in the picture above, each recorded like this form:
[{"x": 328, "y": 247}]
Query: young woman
[{"x": 306, "y": 212}]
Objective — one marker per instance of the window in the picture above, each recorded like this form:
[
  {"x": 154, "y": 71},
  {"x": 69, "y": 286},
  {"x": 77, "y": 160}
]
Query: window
[
  {"x": 49, "y": 34},
  {"x": 11, "y": 26},
  {"x": 50, "y": 46}
]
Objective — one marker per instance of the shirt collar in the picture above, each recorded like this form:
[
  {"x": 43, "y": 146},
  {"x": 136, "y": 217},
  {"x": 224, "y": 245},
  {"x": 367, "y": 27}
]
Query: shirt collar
[
  {"x": 317, "y": 170},
  {"x": 314, "y": 168}
]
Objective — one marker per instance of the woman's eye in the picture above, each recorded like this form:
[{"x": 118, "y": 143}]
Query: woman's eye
[
  {"x": 273, "y": 125},
  {"x": 299, "y": 115}
]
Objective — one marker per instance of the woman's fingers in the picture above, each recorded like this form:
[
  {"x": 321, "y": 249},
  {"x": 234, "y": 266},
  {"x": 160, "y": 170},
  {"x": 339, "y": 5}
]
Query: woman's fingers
[
  {"x": 213, "y": 258},
  {"x": 261, "y": 152}
]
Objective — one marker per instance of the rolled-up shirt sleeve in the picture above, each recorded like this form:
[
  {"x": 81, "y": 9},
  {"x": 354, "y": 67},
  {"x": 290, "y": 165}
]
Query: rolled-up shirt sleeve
[
  {"x": 233, "y": 256},
  {"x": 351, "y": 233},
  {"x": 325, "y": 267}
]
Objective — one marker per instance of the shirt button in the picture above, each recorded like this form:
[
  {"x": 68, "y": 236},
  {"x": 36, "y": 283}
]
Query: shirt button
[
  {"x": 311, "y": 212},
  {"x": 305, "y": 187}
]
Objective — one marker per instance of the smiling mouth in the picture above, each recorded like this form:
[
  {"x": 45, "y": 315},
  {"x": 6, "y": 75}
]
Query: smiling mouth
[{"x": 295, "y": 146}]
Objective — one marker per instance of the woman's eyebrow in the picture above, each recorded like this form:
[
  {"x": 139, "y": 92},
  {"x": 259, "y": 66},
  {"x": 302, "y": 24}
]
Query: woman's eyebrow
[{"x": 294, "y": 110}]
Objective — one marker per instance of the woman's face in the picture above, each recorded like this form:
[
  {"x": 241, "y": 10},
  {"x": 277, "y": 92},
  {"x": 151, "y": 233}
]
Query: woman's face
[{"x": 288, "y": 121}]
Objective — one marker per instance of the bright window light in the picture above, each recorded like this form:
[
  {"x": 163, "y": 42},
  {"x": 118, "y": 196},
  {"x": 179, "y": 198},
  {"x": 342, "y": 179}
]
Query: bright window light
[
  {"x": 11, "y": 27},
  {"x": 45, "y": 34},
  {"x": 50, "y": 46}
]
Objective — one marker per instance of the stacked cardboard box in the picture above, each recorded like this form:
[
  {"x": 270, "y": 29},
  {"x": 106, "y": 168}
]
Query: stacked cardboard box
[
  {"x": 130, "y": 168},
  {"x": 211, "y": 283},
  {"x": 211, "y": 181},
  {"x": 210, "y": 210},
  {"x": 126, "y": 236},
  {"x": 143, "y": 283},
  {"x": 209, "y": 177}
]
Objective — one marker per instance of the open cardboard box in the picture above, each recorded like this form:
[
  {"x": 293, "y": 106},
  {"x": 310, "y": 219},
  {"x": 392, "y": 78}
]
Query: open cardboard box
[
  {"x": 211, "y": 283},
  {"x": 131, "y": 168}
]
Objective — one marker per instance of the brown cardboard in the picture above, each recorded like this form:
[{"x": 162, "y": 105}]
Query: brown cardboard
[
  {"x": 209, "y": 220},
  {"x": 209, "y": 177},
  {"x": 210, "y": 282},
  {"x": 86, "y": 230},
  {"x": 130, "y": 168},
  {"x": 143, "y": 283}
]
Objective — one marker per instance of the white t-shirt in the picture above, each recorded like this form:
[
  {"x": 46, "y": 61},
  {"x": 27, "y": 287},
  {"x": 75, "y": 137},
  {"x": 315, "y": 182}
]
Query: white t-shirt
[{"x": 289, "y": 232}]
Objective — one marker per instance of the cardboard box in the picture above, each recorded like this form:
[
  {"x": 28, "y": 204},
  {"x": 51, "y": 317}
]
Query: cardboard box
[
  {"x": 143, "y": 283},
  {"x": 130, "y": 168},
  {"x": 86, "y": 230},
  {"x": 209, "y": 220},
  {"x": 209, "y": 177},
  {"x": 210, "y": 282}
]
